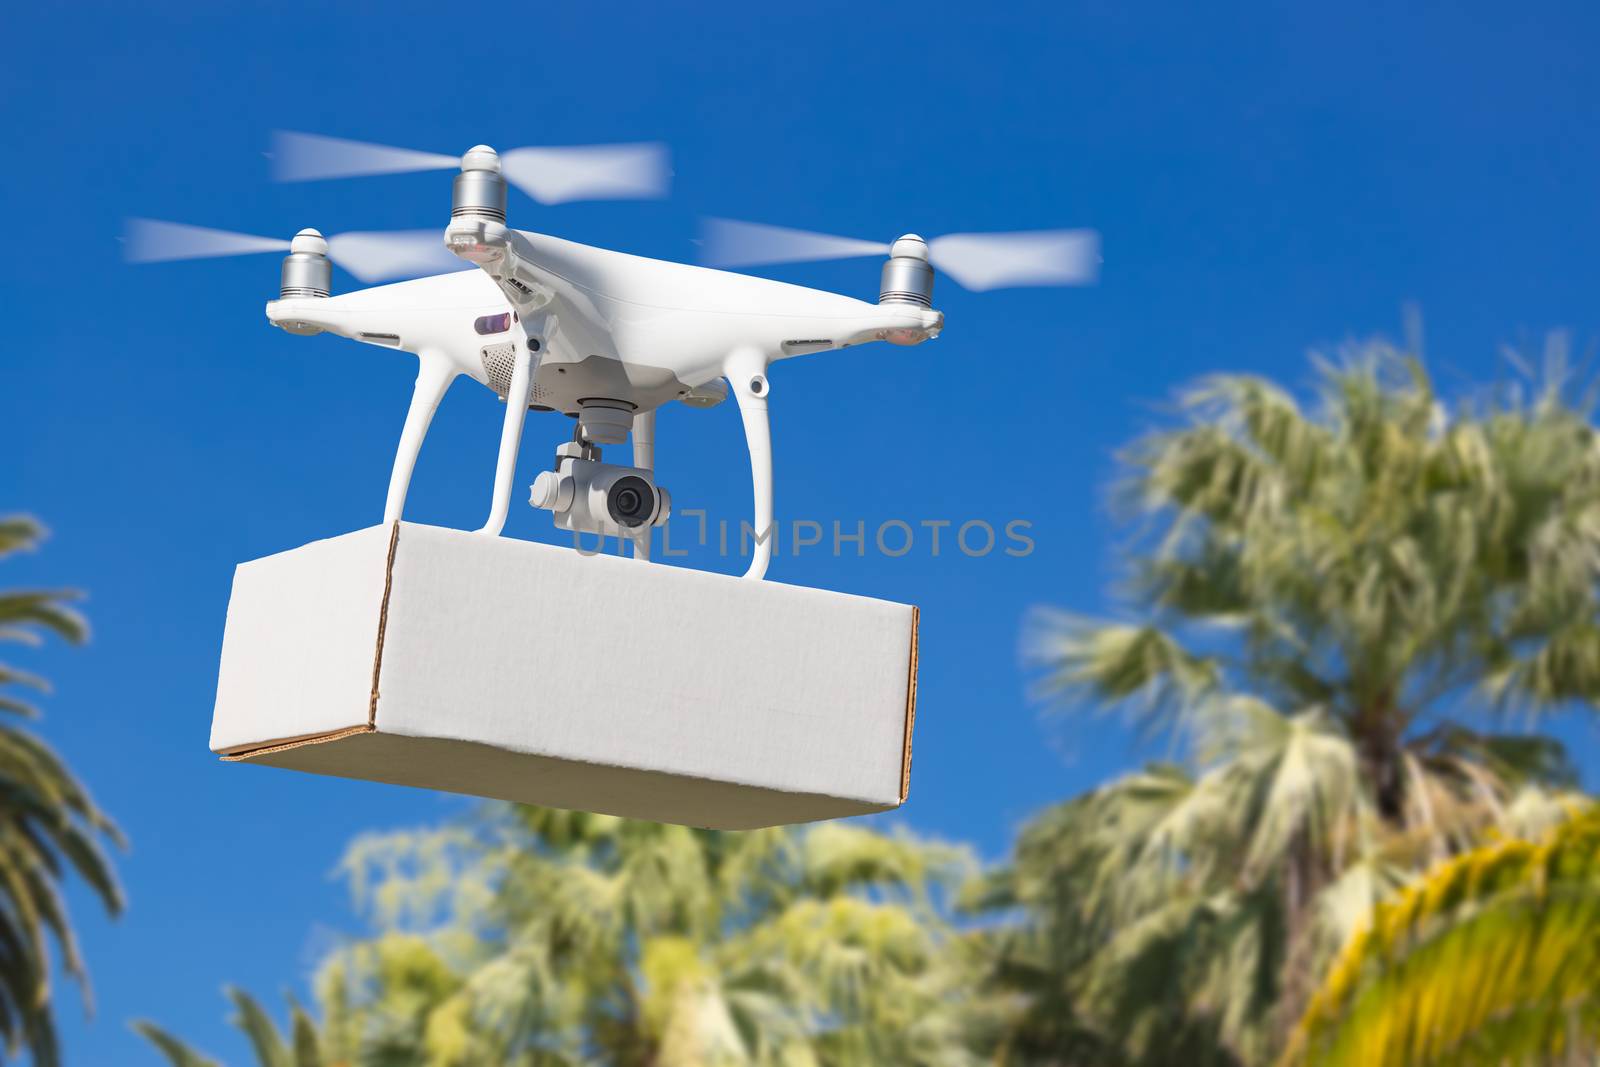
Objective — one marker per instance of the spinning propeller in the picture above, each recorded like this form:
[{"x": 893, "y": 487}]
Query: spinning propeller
[
  {"x": 549, "y": 175},
  {"x": 978, "y": 261},
  {"x": 370, "y": 256}
]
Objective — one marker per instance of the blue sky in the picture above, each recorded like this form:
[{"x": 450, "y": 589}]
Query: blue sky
[{"x": 1268, "y": 178}]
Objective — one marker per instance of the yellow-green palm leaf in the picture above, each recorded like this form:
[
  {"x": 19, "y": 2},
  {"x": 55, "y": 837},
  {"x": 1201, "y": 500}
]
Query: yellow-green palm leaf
[{"x": 1493, "y": 959}]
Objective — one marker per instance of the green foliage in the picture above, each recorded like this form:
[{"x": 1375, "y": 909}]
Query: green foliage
[
  {"x": 552, "y": 939},
  {"x": 642, "y": 943},
  {"x": 1330, "y": 611},
  {"x": 49, "y": 826},
  {"x": 1491, "y": 959}
]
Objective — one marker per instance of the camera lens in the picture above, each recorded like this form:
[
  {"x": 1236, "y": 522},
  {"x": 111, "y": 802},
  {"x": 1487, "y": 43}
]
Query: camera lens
[{"x": 630, "y": 501}]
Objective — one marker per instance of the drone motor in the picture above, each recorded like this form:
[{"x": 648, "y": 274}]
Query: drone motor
[
  {"x": 907, "y": 276},
  {"x": 307, "y": 272},
  {"x": 306, "y": 269},
  {"x": 480, "y": 188}
]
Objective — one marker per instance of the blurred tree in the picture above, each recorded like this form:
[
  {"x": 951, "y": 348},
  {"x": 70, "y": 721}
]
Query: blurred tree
[
  {"x": 1492, "y": 959},
  {"x": 549, "y": 938},
  {"x": 48, "y": 826},
  {"x": 1331, "y": 610}
]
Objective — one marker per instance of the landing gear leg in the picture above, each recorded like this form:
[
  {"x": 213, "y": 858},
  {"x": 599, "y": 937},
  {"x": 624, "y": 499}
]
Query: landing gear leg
[
  {"x": 747, "y": 374},
  {"x": 434, "y": 375},
  {"x": 511, "y": 437}
]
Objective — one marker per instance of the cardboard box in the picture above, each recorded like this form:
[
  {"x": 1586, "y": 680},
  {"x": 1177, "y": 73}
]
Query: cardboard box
[{"x": 503, "y": 668}]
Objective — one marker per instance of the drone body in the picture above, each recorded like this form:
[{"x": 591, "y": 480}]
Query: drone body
[
  {"x": 599, "y": 335},
  {"x": 608, "y": 325},
  {"x": 602, "y": 336}
]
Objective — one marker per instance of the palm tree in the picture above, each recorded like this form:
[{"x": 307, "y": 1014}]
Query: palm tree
[
  {"x": 48, "y": 826},
  {"x": 550, "y": 939},
  {"x": 641, "y": 943},
  {"x": 1491, "y": 959},
  {"x": 1329, "y": 611}
]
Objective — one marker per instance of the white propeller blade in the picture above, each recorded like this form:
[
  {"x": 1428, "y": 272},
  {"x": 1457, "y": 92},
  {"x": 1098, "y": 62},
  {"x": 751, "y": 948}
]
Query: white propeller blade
[
  {"x": 153, "y": 241},
  {"x": 588, "y": 172},
  {"x": 549, "y": 175},
  {"x": 377, "y": 256},
  {"x": 370, "y": 256},
  {"x": 597, "y": 171},
  {"x": 743, "y": 244},
  {"x": 980, "y": 261},
  {"x": 977, "y": 261},
  {"x": 303, "y": 157}
]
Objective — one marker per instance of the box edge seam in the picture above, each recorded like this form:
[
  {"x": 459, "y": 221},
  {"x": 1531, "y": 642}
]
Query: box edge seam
[
  {"x": 383, "y": 622},
  {"x": 911, "y": 706}
]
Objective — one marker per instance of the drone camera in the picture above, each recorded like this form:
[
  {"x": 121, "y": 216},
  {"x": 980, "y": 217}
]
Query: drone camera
[
  {"x": 907, "y": 276},
  {"x": 588, "y": 496},
  {"x": 629, "y": 501}
]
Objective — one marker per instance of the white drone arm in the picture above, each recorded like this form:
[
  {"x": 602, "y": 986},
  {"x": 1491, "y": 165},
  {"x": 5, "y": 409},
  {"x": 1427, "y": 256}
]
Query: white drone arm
[
  {"x": 746, "y": 371},
  {"x": 435, "y": 372}
]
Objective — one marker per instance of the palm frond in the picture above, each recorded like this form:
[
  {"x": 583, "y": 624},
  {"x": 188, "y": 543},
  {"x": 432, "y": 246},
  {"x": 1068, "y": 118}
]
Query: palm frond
[
  {"x": 1491, "y": 959},
  {"x": 45, "y": 609},
  {"x": 19, "y": 533},
  {"x": 177, "y": 1053},
  {"x": 270, "y": 1048},
  {"x": 1142, "y": 668}
]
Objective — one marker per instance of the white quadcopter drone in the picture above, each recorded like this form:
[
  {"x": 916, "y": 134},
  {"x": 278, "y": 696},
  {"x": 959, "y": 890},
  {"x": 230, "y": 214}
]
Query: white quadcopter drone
[{"x": 604, "y": 337}]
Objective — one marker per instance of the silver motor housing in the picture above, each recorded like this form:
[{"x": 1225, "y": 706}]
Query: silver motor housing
[
  {"x": 907, "y": 277},
  {"x": 307, "y": 271},
  {"x": 479, "y": 190}
]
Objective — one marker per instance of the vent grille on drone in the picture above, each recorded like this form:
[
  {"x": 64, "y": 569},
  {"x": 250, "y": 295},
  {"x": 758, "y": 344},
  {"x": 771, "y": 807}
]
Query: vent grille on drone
[{"x": 498, "y": 364}]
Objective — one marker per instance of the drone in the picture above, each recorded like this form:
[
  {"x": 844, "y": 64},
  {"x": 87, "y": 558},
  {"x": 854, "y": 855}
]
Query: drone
[{"x": 604, "y": 337}]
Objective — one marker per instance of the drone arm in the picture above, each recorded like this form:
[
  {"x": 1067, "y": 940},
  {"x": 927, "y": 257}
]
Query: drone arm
[
  {"x": 746, "y": 371},
  {"x": 510, "y": 438},
  {"x": 644, "y": 457},
  {"x": 435, "y": 372}
]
